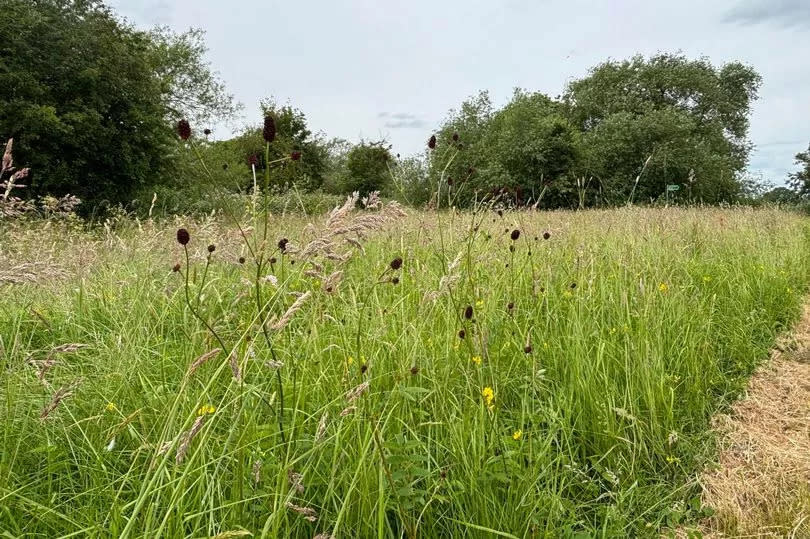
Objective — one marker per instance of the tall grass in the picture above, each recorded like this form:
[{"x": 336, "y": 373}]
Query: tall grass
[{"x": 577, "y": 401}]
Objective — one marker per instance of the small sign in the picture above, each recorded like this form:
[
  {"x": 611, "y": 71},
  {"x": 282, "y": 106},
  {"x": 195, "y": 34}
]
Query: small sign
[{"x": 673, "y": 187}]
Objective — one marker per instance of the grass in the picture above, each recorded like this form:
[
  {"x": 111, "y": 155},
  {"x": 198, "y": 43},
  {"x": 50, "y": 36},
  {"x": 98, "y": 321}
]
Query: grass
[{"x": 628, "y": 330}]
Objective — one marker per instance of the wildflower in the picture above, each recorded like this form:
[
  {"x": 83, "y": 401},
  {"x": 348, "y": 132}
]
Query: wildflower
[
  {"x": 272, "y": 279},
  {"x": 546, "y": 235},
  {"x": 515, "y": 234},
  {"x": 468, "y": 312},
  {"x": 476, "y": 360},
  {"x": 253, "y": 160},
  {"x": 282, "y": 244},
  {"x": 673, "y": 460},
  {"x": 517, "y": 435},
  {"x": 395, "y": 280},
  {"x": 206, "y": 409},
  {"x": 396, "y": 263},
  {"x": 489, "y": 397},
  {"x": 269, "y": 131},
  {"x": 510, "y": 305},
  {"x": 432, "y": 142},
  {"x": 573, "y": 286},
  {"x": 663, "y": 288},
  {"x": 349, "y": 361},
  {"x": 295, "y": 156},
  {"x": 414, "y": 370},
  {"x": 241, "y": 260},
  {"x": 184, "y": 129},
  {"x": 479, "y": 303},
  {"x": 363, "y": 368},
  {"x": 567, "y": 294},
  {"x": 462, "y": 334},
  {"x": 706, "y": 279},
  {"x": 183, "y": 236},
  {"x": 212, "y": 248},
  {"x": 527, "y": 349},
  {"x": 111, "y": 407},
  {"x": 206, "y": 131},
  {"x": 176, "y": 268}
]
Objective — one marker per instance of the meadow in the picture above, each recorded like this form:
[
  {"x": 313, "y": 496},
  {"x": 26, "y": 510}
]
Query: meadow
[{"x": 381, "y": 372}]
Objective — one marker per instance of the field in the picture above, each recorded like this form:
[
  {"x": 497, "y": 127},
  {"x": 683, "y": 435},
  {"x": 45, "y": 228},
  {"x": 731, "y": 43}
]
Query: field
[{"x": 522, "y": 374}]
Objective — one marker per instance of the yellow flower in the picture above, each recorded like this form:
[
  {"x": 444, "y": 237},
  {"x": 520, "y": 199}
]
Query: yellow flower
[
  {"x": 568, "y": 294},
  {"x": 545, "y": 345},
  {"x": 789, "y": 290},
  {"x": 479, "y": 303},
  {"x": 476, "y": 360},
  {"x": 663, "y": 288},
  {"x": 707, "y": 279},
  {"x": 111, "y": 407},
  {"x": 349, "y": 361},
  {"x": 206, "y": 409},
  {"x": 671, "y": 459},
  {"x": 489, "y": 397},
  {"x": 517, "y": 435}
]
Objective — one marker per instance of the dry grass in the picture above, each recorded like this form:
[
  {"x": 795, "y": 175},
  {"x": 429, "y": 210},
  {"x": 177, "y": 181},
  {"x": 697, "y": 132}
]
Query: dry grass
[{"x": 760, "y": 488}]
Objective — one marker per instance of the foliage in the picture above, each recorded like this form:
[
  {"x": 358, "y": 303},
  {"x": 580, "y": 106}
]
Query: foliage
[
  {"x": 663, "y": 120},
  {"x": 87, "y": 98},
  {"x": 800, "y": 180},
  {"x": 367, "y": 168},
  {"x": 688, "y": 117}
]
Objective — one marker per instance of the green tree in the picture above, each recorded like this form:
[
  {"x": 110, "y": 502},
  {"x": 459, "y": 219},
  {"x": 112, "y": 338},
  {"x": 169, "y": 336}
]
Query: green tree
[
  {"x": 367, "y": 168},
  {"x": 800, "y": 180},
  {"x": 524, "y": 153},
  {"x": 90, "y": 100},
  {"x": 686, "y": 119}
]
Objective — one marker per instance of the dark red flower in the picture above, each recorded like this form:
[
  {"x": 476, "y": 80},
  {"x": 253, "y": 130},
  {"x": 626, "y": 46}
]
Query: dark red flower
[
  {"x": 455, "y": 137},
  {"x": 269, "y": 131},
  {"x": 184, "y": 129},
  {"x": 241, "y": 259},
  {"x": 432, "y": 142},
  {"x": 176, "y": 268},
  {"x": 206, "y": 131},
  {"x": 282, "y": 244},
  {"x": 515, "y": 234},
  {"x": 295, "y": 156},
  {"x": 253, "y": 160},
  {"x": 468, "y": 312},
  {"x": 212, "y": 248},
  {"x": 183, "y": 237},
  {"x": 396, "y": 263},
  {"x": 546, "y": 235}
]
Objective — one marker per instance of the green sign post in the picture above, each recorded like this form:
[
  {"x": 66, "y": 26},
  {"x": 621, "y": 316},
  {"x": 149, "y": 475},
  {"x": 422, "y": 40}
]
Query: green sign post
[{"x": 671, "y": 187}]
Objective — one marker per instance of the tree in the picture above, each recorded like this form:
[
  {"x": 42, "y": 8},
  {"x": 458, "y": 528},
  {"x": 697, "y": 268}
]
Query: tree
[
  {"x": 90, "y": 100},
  {"x": 522, "y": 152},
  {"x": 292, "y": 135},
  {"x": 800, "y": 180},
  {"x": 687, "y": 117},
  {"x": 367, "y": 168}
]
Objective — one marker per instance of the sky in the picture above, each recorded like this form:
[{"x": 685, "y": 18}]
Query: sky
[{"x": 371, "y": 69}]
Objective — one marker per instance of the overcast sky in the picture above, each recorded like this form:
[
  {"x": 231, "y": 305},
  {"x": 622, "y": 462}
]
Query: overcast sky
[{"x": 371, "y": 69}]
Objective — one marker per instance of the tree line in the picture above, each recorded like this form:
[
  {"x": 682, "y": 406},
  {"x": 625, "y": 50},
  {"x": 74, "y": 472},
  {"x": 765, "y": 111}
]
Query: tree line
[{"x": 91, "y": 102}]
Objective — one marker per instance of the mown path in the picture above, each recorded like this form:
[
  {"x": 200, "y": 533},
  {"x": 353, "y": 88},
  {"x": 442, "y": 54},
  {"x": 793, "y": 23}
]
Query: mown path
[{"x": 761, "y": 487}]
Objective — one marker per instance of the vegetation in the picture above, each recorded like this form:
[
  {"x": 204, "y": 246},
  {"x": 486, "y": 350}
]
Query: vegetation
[
  {"x": 441, "y": 374},
  {"x": 90, "y": 100}
]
